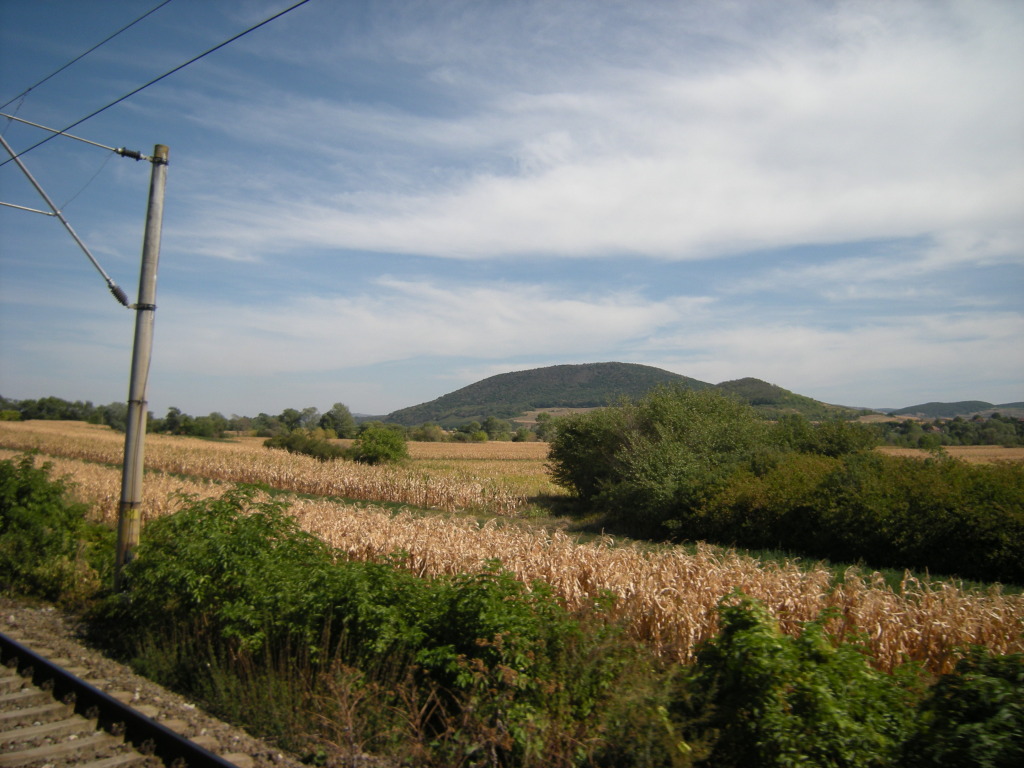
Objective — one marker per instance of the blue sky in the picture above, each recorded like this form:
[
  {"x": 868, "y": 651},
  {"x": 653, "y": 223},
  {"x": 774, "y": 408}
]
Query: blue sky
[{"x": 377, "y": 203}]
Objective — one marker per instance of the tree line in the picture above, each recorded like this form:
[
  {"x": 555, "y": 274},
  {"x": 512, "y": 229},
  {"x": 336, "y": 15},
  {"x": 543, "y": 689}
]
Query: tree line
[
  {"x": 996, "y": 429},
  {"x": 337, "y": 422}
]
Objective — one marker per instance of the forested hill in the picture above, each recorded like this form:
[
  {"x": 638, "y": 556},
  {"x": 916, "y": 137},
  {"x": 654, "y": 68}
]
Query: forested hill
[
  {"x": 773, "y": 401},
  {"x": 961, "y": 408},
  {"x": 588, "y": 386},
  {"x": 558, "y": 386}
]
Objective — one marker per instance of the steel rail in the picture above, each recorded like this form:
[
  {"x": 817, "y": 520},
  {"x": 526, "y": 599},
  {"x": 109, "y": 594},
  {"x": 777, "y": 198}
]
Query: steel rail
[{"x": 113, "y": 716}]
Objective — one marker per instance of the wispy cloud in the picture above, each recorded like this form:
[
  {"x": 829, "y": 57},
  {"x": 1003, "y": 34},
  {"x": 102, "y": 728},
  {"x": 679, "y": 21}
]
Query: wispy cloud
[
  {"x": 402, "y": 320},
  {"x": 890, "y": 134}
]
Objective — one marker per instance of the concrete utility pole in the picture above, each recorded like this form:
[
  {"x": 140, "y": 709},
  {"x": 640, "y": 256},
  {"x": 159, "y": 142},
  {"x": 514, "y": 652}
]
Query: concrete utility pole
[{"x": 130, "y": 510}]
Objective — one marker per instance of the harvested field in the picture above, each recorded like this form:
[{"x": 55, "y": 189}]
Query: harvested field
[
  {"x": 665, "y": 594},
  {"x": 976, "y": 454}
]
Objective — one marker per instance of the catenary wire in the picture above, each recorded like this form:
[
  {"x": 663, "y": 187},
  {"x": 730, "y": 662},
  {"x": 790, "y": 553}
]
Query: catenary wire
[
  {"x": 83, "y": 55},
  {"x": 157, "y": 80}
]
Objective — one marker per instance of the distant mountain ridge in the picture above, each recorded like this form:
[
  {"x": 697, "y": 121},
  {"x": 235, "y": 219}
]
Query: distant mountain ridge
[
  {"x": 936, "y": 410},
  {"x": 591, "y": 385}
]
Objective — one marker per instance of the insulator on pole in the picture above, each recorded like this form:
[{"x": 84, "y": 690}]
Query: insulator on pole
[
  {"x": 119, "y": 293},
  {"x": 132, "y": 153}
]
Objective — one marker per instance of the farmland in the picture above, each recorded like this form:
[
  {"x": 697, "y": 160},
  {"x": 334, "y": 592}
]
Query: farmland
[
  {"x": 666, "y": 595},
  {"x": 975, "y": 454}
]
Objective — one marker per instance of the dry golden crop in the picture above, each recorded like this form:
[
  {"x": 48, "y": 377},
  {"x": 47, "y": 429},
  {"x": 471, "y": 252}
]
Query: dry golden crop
[
  {"x": 975, "y": 454},
  {"x": 247, "y": 461},
  {"x": 667, "y": 596}
]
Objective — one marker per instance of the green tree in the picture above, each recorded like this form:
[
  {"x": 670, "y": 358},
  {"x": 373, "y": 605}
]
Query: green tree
[
  {"x": 496, "y": 429},
  {"x": 659, "y": 458},
  {"x": 545, "y": 428},
  {"x": 114, "y": 415},
  {"x": 428, "y": 433},
  {"x": 379, "y": 445},
  {"x": 172, "y": 422},
  {"x": 309, "y": 418},
  {"x": 339, "y": 419}
]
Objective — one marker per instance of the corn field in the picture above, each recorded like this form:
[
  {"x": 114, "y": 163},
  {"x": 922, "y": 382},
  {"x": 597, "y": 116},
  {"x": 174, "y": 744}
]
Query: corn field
[
  {"x": 247, "y": 461},
  {"x": 666, "y": 596}
]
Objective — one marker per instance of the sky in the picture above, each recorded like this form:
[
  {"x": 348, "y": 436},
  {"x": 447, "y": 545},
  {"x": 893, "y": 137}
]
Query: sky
[{"x": 378, "y": 203}]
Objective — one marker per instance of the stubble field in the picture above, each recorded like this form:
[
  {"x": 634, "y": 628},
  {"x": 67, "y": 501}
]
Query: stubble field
[{"x": 668, "y": 595}]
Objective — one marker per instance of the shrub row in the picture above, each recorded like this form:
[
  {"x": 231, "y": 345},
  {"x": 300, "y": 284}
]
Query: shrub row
[
  {"x": 374, "y": 445},
  {"x": 697, "y": 465}
]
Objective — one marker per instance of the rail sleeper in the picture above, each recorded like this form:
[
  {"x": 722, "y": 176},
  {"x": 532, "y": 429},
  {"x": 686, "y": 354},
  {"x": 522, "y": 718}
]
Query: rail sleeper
[{"x": 73, "y": 739}]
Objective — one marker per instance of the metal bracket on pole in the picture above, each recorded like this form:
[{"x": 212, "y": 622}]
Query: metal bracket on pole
[{"x": 115, "y": 289}]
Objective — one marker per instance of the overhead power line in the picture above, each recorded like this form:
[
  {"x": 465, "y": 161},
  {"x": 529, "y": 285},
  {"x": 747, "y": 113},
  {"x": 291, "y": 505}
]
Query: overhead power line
[
  {"x": 158, "y": 79},
  {"x": 83, "y": 55}
]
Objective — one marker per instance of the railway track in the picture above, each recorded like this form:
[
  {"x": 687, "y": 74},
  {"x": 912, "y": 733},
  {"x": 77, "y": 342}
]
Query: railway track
[{"x": 50, "y": 717}]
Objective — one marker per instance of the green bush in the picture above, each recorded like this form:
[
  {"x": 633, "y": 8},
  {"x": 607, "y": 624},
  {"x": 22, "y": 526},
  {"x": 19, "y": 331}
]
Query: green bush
[
  {"x": 379, "y": 445},
  {"x": 832, "y": 437},
  {"x": 46, "y": 547},
  {"x": 775, "y": 508},
  {"x": 646, "y": 462},
  {"x": 973, "y": 717},
  {"x": 940, "y": 514},
  {"x": 697, "y": 465},
  {"x": 500, "y": 664},
  {"x": 767, "y": 699},
  {"x": 306, "y": 442}
]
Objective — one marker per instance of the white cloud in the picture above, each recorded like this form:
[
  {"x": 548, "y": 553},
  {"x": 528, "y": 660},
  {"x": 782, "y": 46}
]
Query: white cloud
[
  {"x": 879, "y": 133},
  {"x": 404, "y": 320},
  {"x": 919, "y": 358}
]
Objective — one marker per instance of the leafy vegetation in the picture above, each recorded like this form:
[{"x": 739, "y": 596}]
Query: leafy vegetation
[
  {"x": 379, "y": 444},
  {"x": 46, "y": 546},
  {"x": 375, "y": 444},
  {"x": 972, "y": 717},
  {"x": 310, "y": 443},
  {"x": 769, "y": 699},
  {"x": 55, "y": 409},
  {"x": 998, "y": 429},
  {"x": 507, "y": 663},
  {"x": 700, "y": 466}
]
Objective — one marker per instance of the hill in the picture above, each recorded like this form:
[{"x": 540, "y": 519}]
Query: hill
[
  {"x": 963, "y": 408},
  {"x": 506, "y": 395},
  {"x": 773, "y": 401},
  {"x": 592, "y": 385}
]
